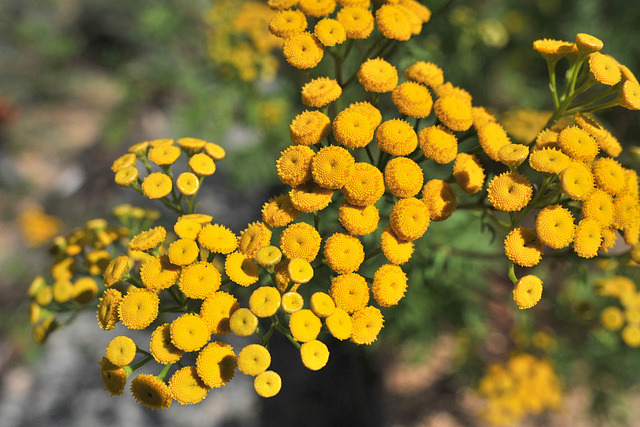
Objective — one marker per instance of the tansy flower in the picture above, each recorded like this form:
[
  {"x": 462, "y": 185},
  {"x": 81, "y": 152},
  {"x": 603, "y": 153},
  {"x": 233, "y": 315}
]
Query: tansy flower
[
  {"x": 320, "y": 92},
  {"x": 454, "y": 113},
  {"x": 481, "y": 116},
  {"x": 604, "y": 69},
  {"x": 403, "y": 177},
  {"x": 509, "y": 191},
  {"x": 339, "y": 324},
  {"x": 241, "y": 269},
  {"x": 126, "y": 161},
  {"x": 303, "y": 50},
  {"x": 629, "y": 95},
  {"x": 268, "y": 256},
  {"x": 553, "y": 50},
  {"x": 281, "y": 4},
  {"x": 412, "y": 99},
  {"x": 108, "y": 309},
  {"x": 468, "y": 173},
  {"x": 343, "y": 253},
  {"x": 365, "y": 186},
  {"x": 377, "y": 75},
  {"x": 369, "y": 111},
  {"x": 631, "y": 335},
  {"x": 121, "y": 351},
  {"x": 528, "y": 291},
  {"x": 447, "y": 89},
  {"x": 183, "y": 252},
  {"x": 332, "y": 166},
  {"x": 438, "y": 144},
  {"x": 300, "y": 240},
  {"x": 187, "y": 387},
  {"x": 192, "y": 145},
  {"x": 330, "y": 32},
  {"x": 352, "y": 129},
  {"x": 317, "y": 8},
  {"x": 254, "y": 237},
  {"x": 267, "y": 384},
  {"x": 294, "y": 165},
  {"x": 396, "y": 250},
  {"x": 577, "y": 144},
  {"x": 201, "y": 219},
  {"x": 304, "y": 325},
  {"x": 440, "y": 198},
  {"x": 309, "y": 127},
  {"x": 214, "y": 151},
  {"x": 426, "y": 73},
  {"x": 549, "y": 160},
  {"x": 554, "y": 226},
  {"x": 264, "y": 301},
  {"x": 243, "y": 322},
  {"x": 217, "y": 238},
  {"x": 632, "y": 232},
  {"x": 216, "y": 364},
  {"x": 547, "y": 138},
  {"x": 626, "y": 210},
  {"x": 577, "y": 181},
  {"x": 187, "y": 228},
  {"x": 588, "y": 44},
  {"x": 350, "y": 292},
  {"x": 358, "y": 22},
  {"x": 116, "y": 270},
  {"x": 278, "y": 211},
  {"x": 127, "y": 176},
  {"x": 314, "y": 354},
  {"x": 512, "y": 155},
  {"x": 587, "y": 238},
  {"x": 409, "y": 218},
  {"x": 492, "y": 138},
  {"x": 160, "y": 142},
  {"x": 358, "y": 220},
  {"x": 292, "y": 302},
  {"x": 138, "y": 308},
  {"x": 151, "y": 392},
  {"x": 199, "y": 280},
  {"x": 322, "y": 305},
  {"x": 164, "y": 155},
  {"x": 189, "y": 332},
  {"x": 310, "y": 197},
  {"x": 140, "y": 149},
  {"x": 162, "y": 348},
  {"x": 366, "y": 325},
  {"x": 632, "y": 187},
  {"x": 609, "y": 175},
  {"x": 254, "y": 359},
  {"x": 393, "y": 23},
  {"x": 288, "y": 23},
  {"x": 389, "y": 285},
  {"x": 523, "y": 247},
  {"x": 396, "y": 137},
  {"x": 609, "y": 144},
  {"x": 113, "y": 377},
  {"x": 216, "y": 310},
  {"x": 202, "y": 165},
  {"x": 612, "y": 318},
  {"x": 156, "y": 185},
  {"x": 300, "y": 271},
  {"x": 62, "y": 291},
  {"x": 415, "y": 21},
  {"x": 627, "y": 74}
]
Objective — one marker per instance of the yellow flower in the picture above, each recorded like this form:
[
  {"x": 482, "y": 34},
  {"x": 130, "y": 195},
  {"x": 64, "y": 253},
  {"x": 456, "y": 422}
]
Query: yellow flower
[
  {"x": 350, "y": 292},
  {"x": 454, "y": 113},
  {"x": 309, "y": 127},
  {"x": 577, "y": 181},
  {"x": 108, "y": 309},
  {"x": 549, "y": 160},
  {"x": 187, "y": 228},
  {"x": 396, "y": 250},
  {"x": 358, "y": 22},
  {"x": 377, "y": 75},
  {"x": 216, "y": 364},
  {"x": 202, "y": 165},
  {"x": 85, "y": 290},
  {"x": 577, "y": 144},
  {"x": 609, "y": 144},
  {"x": 468, "y": 173},
  {"x": 604, "y": 69},
  {"x": 300, "y": 240},
  {"x": 126, "y": 177},
  {"x": 164, "y": 155},
  {"x": 512, "y": 155},
  {"x": 216, "y": 311},
  {"x": 267, "y": 384},
  {"x": 243, "y": 322},
  {"x": 590, "y": 125},
  {"x": 447, "y": 89},
  {"x": 199, "y": 280},
  {"x": 314, "y": 354},
  {"x": 598, "y": 205},
  {"x": 294, "y": 165},
  {"x": 396, "y": 137},
  {"x": 343, "y": 253},
  {"x": 183, "y": 252},
  {"x": 409, "y": 218},
  {"x": 330, "y": 32},
  {"x": 113, "y": 377},
  {"x": 288, "y": 23},
  {"x": 281, "y": 4},
  {"x": 148, "y": 239},
  {"x": 369, "y": 111},
  {"x": 339, "y": 324},
  {"x": 138, "y": 309},
  {"x": 625, "y": 211},
  {"x": 403, "y": 177},
  {"x": 241, "y": 269},
  {"x": 160, "y": 142},
  {"x": 299, "y": 271},
  {"x": 156, "y": 185},
  {"x": 365, "y": 186},
  {"x": 264, "y": 301},
  {"x": 426, "y": 73},
  {"x": 367, "y": 323},
  {"x": 492, "y": 138},
  {"x": 322, "y": 305},
  {"x": 609, "y": 238},
  {"x": 553, "y": 50},
  {"x": 412, "y": 99},
  {"x": 631, "y": 335},
  {"x": 303, "y": 51},
  {"x": 254, "y": 359},
  {"x": 125, "y": 161},
  {"x": 189, "y": 332},
  {"x": 588, "y": 44},
  {"x": 509, "y": 191},
  {"x": 187, "y": 387},
  {"x": 317, "y": 8},
  {"x": 609, "y": 175},
  {"x": 192, "y": 145},
  {"x": 587, "y": 238},
  {"x": 523, "y": 247},
  {"x": 547, "y": 138},
  {"x": 151, "y": 392},
  {"x": 162, "y": 348},
  {"x": 304, "y": 325},
  {"x": 332, "y": 166},
  {"x": 352, "y": 128},
  {"x": 214, "y": 151},
  {"x": 278, "y": 211},
  {"x": 116, "y": 270},
  {"x": 217, "y": 238},
  {"x": 254, "y": 237},
  {"x": 140, "y": 149},
  {"x": 554, "y": 226},
  {"x": 389, "y": 285},
  {"x": 292, "y": 302},
  {"x": 438, "y": 144},
  {"x": 358, "y": 220},
  {"x": 393, "y": 23},
  {"x": 320, "y": 92},
  {"x": 310, "y": 197},
  {"x": 158, "y": 273},
  {"x": 440, "y": 198},
  {"x": 612, "y": 318},
  {"x": 121, "y": 351},
  {"x": 268, "y": 256},
  {"x": 629, "y": 95},
  {"x": 528, "y": 291},
  {"x": 420, "y": 10}
]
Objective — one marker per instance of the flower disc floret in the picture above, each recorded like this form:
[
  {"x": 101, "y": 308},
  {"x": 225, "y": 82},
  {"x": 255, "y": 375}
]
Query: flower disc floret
[
  {"x": 332, "y": 166},
  {"x": 156, "y": 185},
  {"x": 300, "y": 240},
  {"x": 440, "y": 198},
  {"x": 187, "y": 387},
  {"x": 309, "y": 127},
  {"x": 218, "y": 239},
  {"x": 396, "y": 137},
  {"x": 409, "y": 218},
  {"x": 377, "y": 75},
  {"x": 389, "y": 285},
  {"x": 314, "y": 354},
  {"x": 303, "y": 51},
  {"x": 254, "y": 359},
  {"x": 320, "y": 92},
  {"x": 216, "y": 364},
  {"x": 189, "y": 332},
  {"x": 366, "y": 325},
  {"x": 438, "y": 144},
  {"x": 241, "y": 269},
  {"x": 555, "y": 227},
  {"x": 264, "y": 301},
  {"x": 330, "y": 32},
  {"x": 294, "y": 165},
  {"x": 199, "y": 280},
  {"x": 183, "y": 252},
  {"x": 577, "y": 144},
  {"x": 365, "y": 186},
  {"x": 304, "y": 325},
  {"x": 454, "y": 113},
  {"x": 358, "y": 220},
  {"x": 139, "y": 308},
  {"x": 527, "y": 291},
  {"x": 403, "y": 177},
  {"x": 151, "y": 392},
  {"x": 587, "y": 238},
  {"x": 343, "y": 253},
  {"x": 216, "y": 311},
  {"x": 509, "y": 191},
  {"x": 523, "y": 247},
  {"x": 350, "y": 292},
  {"x": 412, "y": 99}
]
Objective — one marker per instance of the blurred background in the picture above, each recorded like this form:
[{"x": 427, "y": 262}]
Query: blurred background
[{"x": 82, "y": 80}]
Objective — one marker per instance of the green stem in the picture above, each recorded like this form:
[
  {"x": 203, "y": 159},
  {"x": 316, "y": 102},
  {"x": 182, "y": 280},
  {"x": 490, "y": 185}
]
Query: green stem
[
  {"x": 512, "y": 273},
  {"x": 164, "y": 372}
]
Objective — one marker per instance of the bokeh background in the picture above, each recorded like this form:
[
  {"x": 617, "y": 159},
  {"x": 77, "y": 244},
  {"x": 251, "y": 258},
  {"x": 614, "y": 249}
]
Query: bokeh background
[{"x": 81, "y": 80}]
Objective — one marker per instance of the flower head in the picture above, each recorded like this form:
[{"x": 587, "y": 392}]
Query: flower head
[
  {"x": 396, "y": 137},
  {"x": 151, "y": 392},
  {"x": 609, "y": 175},
  {"x": 367, "y": 323},
  {"x": 294, "y": 165},
  {"x": 268, "y": 256},
  {"x": 254, "y": 237},
  {"x": 156, "y": 185},
  {"x": 350, "y": 292},
  {"x": 393, "y": 22},
  {"x": 164, "y": 155},
  {"x": 468, "y": 173},
  {"x": 409, "y": 218},
  {"x": 218, "y": 239},
  {"x": 113, "y": 377},
  {"x": 587, "y": 238},
  {"x": 139, "y": 308},
  {"x": 549, "y": 160},
  {"x": 454, "y": 113},
  {"x": 309, "y": 127},
  {"x": 187, "y": 228},
  {"x": 162, "y": 348},
  {"x": 300, "y": 240},
  {"x": 292, "y": 302},
  {"x": 267, "y": 384},
  {"x": 332, "y": 166},
  {"x": 264, "y": 301},
  {"x": 438, "y": 144},
  {"x": 389, "y": 285},
  {"x": 339, "y": 324},
  {"x": 577, "y": 144},
  {"x": 396, "y": 250},
  {"x": 587, "y": 43},
  {"x": 358, "y": 22},
  {"x": 577, "y": 181},
  {"x": 243, "y": 322},
  {"x": 612, "y": 318},
  {"x": 116, "y": 270},
  {"x": 288, "y": 23},
  {"x": 303, "y": 50},
  {"x": 528, "y": 291},
  {"x": 254, "y": 359},
  {"x": 317, "y": 8},
  {"x": 320, "y": 92},
  {"x": 125, "y": 161},
  {"x": 241, "y": 269},
  {"x": 330, "y": 32},
  {"x": 278, "y": 211},
  {"x": 377, "y": 75},
  {"x": 509, "y": 191},
  {"x": 553, "y": 50},
  {"x": 412, "y": 99},
  {"x": 322, "y": 304},
  {"x": 121, "y": 351},
  {"x": 202, "y": 165},
  {"x": 187, "y": 387},
  {"x": 216, "y": 310},
  {"x": 426, "y": 73},
  {"x": 183, "y": 252},
  {"x": 554, "y": 226},
  {"x": 492, "y": 138},
  {"x": 108, "y": 309},
  {"x": 365, "y": 186},
  {"x": 216, "y": 364},
  {"x": 358, "y": 220},
  {"x": 127, "y": 176},
  {"x": 403, "y": 177},
  {"x": 604, "y": 69},
  {"x": 314, "y": 354},
  {"x": 189, "y": 332},
  {"x": 300, "y": 271},
  {"x": 629, "y": 95},
  {"x": 343, "y": 253},
  {"x": 352, "y": 128},
  {"x": 523, "y": 247},
  {"x": 440, "y": 198},
  {"x": 310, "y": 197},
  {"x": 304, "y": 325},
  {"x": 148, "y": 239}
]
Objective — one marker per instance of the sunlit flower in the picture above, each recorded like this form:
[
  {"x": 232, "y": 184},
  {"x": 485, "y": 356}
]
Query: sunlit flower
[
  {"x": 440, "y": 198},
  {"x": 412, "y": 99},
  {"x": 528, "y": 291},
  {"x": 403, "y": 177},
  {"x": 358, "y": 22},
  {"x": 304, "y": 325},
  {"x": 343, "y": 253},
  {"x": 587, "y": 238},
  {"x": 426, "y": 73},
  {"x": 350, "y": 292},
  {"x": 604, "y": 69},
  {"x": 577, "y": 144},
  {"x": 303, "y": 50},
  {"x": 216, "y": 364},
  {"x": 339, "y": 324},
  {"x": 367, "y": 323},
  {"x": 310, "y": 197},
  {"x": 554, "y": 226},
  {"x": 314, "y": 354},
  {"x": 438, "y": 144},
  {"x": 217, "y": 238},
  {"x": 199, "y": 280},
  {"x": 492, "y": 138},
  {"x": 300, "y": 240},
  {"x": 139, "y": 308},
  {"x": 264, "y": 301},
  {"x": 377, "y": 75},
  {"x": 278, "y": 211},
  {"x": 294, "y": 165},
  {"x": 320, "y": 92},
  {"x": 409, "y": 218},
  {"x": 121, "y": 351},
  {"x": 243, "y": 322},
  {"x": 216, "y": 311},
  {"x": 389, "y": 285},
  {"x": 393, "y": 23},
  {"x": 254, "y": 237},
  {"x": 162, "y": 348},
  {"x": 549, "y": 160},
  {"x": 332, "y": 166},
  {"x": 577, "y": 181},
  {"x": 309, "y": 127},
  {"x": 322, "y": 304},
  {"x": 396, "y": 137},
  {"x": 330, "y": 32},
  {"x": 468, "y": 173},
  {"x": 454, "y": 113},
  {"x": 187, "y": 387},
  {"x": 358, "y": 220},
  {"x": 189, "y": 332},
  {"x": 156, "y": 185},
  {"x": 509, "y": 191},
  {"x": 523, "y": 247},
  {"x": 241, "y": 269},
  {"x": 365, "y": 186},
  {"x": 267, "y": 384},
  {"x": 396, "y": 250},
  {"x": 151, "y": 392},
  {"x": 609, "y": 175},
  {"x": 288, "y": 23},
  {"x": 254, "y": 359}
]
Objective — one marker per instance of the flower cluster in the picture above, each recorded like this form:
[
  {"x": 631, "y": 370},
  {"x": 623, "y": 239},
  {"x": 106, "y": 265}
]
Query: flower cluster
[{"x": 627, "y": 319}]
